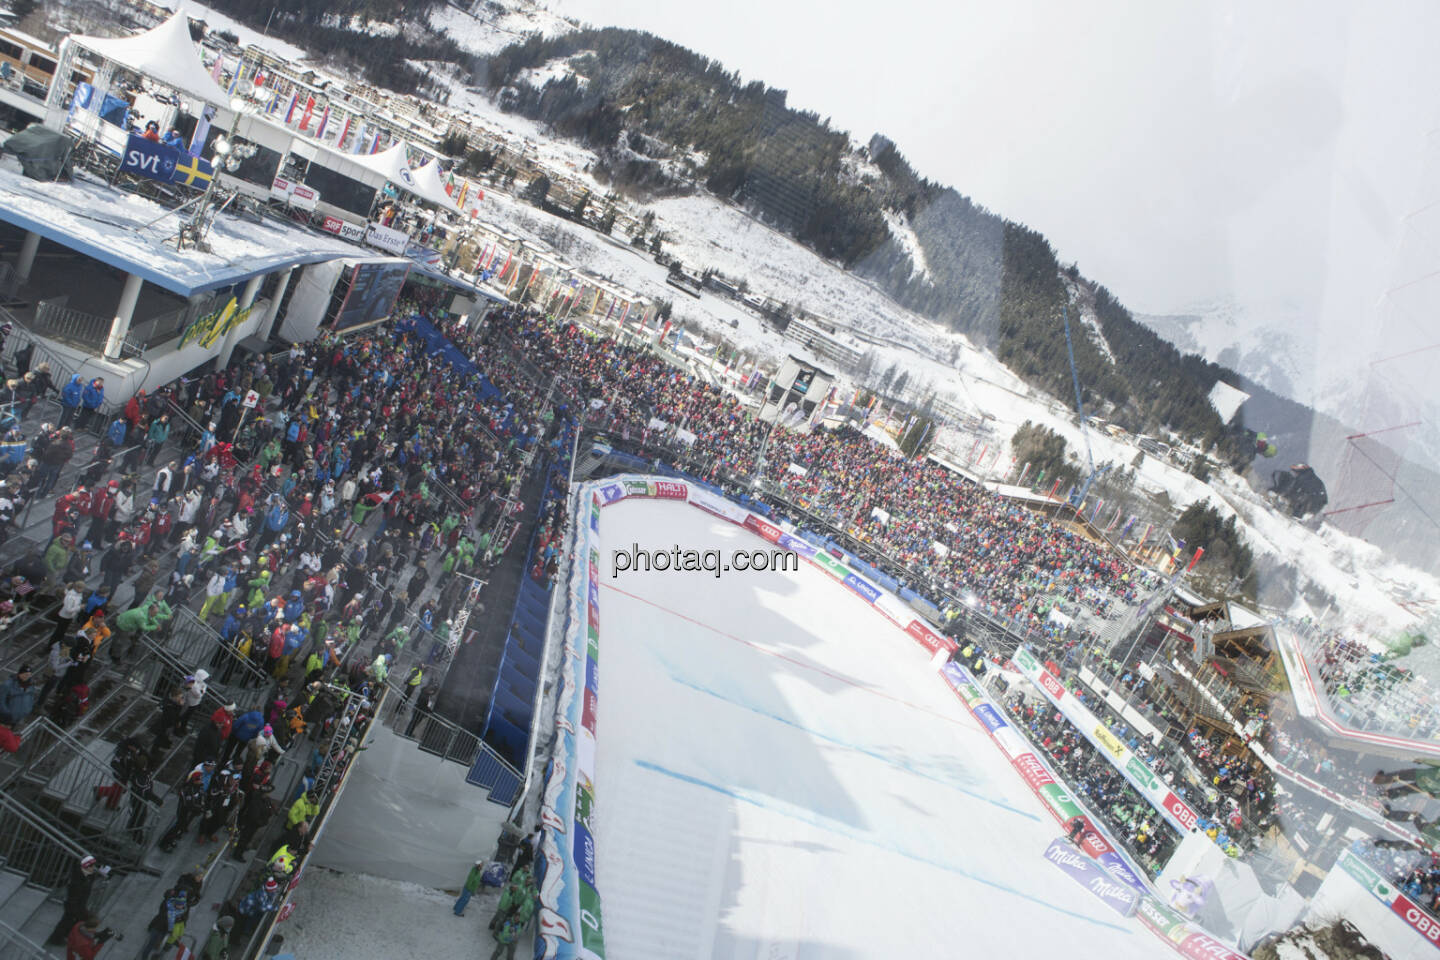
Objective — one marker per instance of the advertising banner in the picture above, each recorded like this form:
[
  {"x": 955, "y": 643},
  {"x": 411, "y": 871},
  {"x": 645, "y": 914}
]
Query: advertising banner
[
  {"x": 1118, "y": 897},
  {"x": 387, "y": 239},
  {"x": 1175, "y": 810},
  {"x": 344, "y": 229},
  {"x": 570, "y": 921},
  {"x": 719, "y": 506},
  {"x": 1387, "y": 893}
]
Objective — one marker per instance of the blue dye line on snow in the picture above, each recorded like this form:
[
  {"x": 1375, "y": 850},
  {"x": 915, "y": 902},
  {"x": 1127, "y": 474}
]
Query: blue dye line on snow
[
  {"x": 847, "y": 744},
  {"x": 810, "y": 819}
]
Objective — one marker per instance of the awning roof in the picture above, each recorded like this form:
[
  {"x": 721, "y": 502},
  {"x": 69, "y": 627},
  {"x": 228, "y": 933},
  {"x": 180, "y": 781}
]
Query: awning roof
[{"x": 165, "y": 53}]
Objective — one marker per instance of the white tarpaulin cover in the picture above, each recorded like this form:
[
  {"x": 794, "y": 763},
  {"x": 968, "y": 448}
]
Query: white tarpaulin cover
[
  {"x": 1231, "y": 902},
  {"x": 165, "y": 53}
]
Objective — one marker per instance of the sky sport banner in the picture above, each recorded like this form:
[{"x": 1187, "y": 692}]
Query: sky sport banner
[{"x": 1175, "y": 810}]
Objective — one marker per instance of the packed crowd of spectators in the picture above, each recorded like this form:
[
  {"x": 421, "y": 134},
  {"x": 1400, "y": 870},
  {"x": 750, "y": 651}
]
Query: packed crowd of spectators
[
  {"x": 319, "y": 533},
  {"x": 1005, "y": 555},
  {"x": 1127, "y": 816}
]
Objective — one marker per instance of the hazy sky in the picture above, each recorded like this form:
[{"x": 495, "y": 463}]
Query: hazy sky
[{"x": 1183, "y": 154}]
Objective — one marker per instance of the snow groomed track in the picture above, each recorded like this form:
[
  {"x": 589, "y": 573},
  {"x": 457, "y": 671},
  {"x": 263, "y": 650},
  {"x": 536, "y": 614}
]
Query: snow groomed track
[{"x": 779, "y": 776}]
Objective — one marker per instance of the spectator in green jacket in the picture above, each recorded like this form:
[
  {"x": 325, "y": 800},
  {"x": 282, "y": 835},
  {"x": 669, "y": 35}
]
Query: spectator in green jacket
[
  {"x": 472, "y": 886},
  {"x": 217, "y": 945}
]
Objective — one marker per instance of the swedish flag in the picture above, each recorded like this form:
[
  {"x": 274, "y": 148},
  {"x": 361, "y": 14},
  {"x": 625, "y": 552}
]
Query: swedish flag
[{"x": 193, "y": 172}]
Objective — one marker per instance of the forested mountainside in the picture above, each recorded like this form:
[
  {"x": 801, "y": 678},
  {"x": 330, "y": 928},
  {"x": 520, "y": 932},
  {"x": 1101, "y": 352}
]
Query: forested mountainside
[
  {"x": 344, "y": 33},
  {"x": 998, "y": 281}
]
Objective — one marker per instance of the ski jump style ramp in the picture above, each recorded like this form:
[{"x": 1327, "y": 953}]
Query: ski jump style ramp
[{"x": 775, "y": 767}]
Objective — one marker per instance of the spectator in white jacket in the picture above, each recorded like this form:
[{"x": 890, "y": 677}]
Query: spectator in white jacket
[{"x": 194, "y": 689}]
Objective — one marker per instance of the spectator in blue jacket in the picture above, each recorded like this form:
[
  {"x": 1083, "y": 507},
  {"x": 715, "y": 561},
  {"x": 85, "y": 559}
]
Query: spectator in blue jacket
[
  {"x": 246, "y": 727},
  {"x": 91, "y": 398},
  {"x": 70, "y": 396},
  {"x": 17, "y": 698},
  {"x": 277, "y": 517},
  {"x": 114, "y": 436}
]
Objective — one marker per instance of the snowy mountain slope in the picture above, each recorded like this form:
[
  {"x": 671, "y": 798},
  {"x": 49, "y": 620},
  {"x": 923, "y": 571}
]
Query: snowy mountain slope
[
  {"x": 904, "y": 234},
  {"x": 492, "y": 26},
  {"x": 1082, "y": 300},
  {"x": 1265, "y": 349}
]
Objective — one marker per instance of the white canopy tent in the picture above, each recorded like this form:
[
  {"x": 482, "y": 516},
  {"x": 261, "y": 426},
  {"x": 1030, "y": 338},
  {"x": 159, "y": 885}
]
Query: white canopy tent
[
  {"x": 423, "y": 182},
  {"x": 429, "y": 186},
  {"x": 166, "y": 54},
  {"x": 392, "y": 162}
]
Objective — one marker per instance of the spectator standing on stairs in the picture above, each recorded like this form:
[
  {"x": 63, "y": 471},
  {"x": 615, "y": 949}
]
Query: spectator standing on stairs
[
  {"x": 84, "y": 941},
  {"x": 83, "y": 874},
  {"x": 17, "y": 697}
]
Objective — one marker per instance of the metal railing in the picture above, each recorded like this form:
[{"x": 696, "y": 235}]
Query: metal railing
[
  {"x": 51, "y": 758},
  {"x": 34, "y": 848},
  {"x": 431, "y": 732},
  {"x": 195, "y": 643},
  {"x": 20, "y": 947},
  {"x": 55, "y": 320}
]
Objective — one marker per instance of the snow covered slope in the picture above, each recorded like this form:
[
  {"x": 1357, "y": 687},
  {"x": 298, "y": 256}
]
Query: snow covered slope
[
  {"x": 488, "y": 26},
  {"x": 779, "y": 774}
]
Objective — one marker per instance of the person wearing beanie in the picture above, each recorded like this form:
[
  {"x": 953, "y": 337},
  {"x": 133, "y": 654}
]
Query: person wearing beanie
[
  {"x": 251, "y": 909},
  {"x": 471, "y": 887},
  {"x": 83, "y": 874},
  {"x": 217, "y": 945}
]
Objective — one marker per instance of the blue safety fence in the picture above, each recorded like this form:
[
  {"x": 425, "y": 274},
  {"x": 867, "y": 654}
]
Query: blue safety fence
[{"x": 509, "y": 720}]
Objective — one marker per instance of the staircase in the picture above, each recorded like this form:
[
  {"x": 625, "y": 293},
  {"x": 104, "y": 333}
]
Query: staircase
[{"x": 35, "y": 863}]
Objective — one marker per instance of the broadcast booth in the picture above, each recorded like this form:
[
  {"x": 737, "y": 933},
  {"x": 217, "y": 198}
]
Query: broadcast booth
[
  {"x": 796, "y": 397},
  {"x": 154, "y": 76}
]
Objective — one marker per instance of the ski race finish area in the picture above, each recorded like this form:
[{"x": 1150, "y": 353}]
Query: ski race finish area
[{"x": 775, "y": 767}]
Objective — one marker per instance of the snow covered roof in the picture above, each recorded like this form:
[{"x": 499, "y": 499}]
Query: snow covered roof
[
  {"x": 132, "y": 234},
  {"x": 1226, "y": 400},
  {"x": 1193, "y": 599},
  {"x": 165, "y": 53},
  {"x": 1243, "y": 618}
]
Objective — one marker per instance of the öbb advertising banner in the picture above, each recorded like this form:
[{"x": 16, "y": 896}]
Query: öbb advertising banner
[
  {"x": 1175, "y": 810},
  {"x": 1385, "y": 891}
]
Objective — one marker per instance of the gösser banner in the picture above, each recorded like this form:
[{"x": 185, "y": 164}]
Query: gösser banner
[{"x": 1131, "y": 767}]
